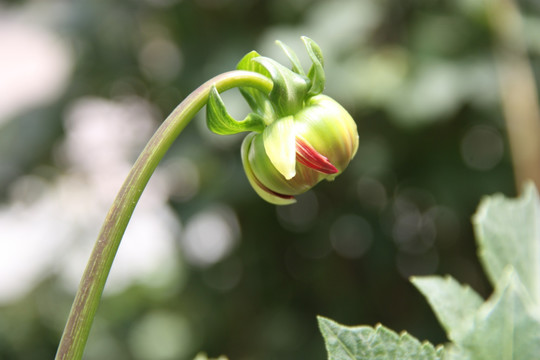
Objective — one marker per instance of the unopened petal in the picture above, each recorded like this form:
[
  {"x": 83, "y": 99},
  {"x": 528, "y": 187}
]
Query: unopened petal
[
  {"x": 308, "y": 156},
  {"x": 263, "y": 191},
  {"x": 280, "y": 146}
]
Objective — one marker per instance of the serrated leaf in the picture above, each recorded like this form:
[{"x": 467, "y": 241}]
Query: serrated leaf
[
  {"x": 220, "y": 122},
  {"x": 506, "y": 326},
  {"x": 454, "y": 305},
  {"x": 316, "y": 72},
  {"x": 508, "y": 233},
  {"x": 368, "y": 343},
  {"x": 454, "y": 352}
]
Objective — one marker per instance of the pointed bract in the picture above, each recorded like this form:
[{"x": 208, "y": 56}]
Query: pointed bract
[
  {"x": 295, "y": 62},
  {"x": 220, "y": 122},
  {"x": 258, "y": 102},
  {"x": 289, "y": 89},
  {"x": 316, "y": 72}
]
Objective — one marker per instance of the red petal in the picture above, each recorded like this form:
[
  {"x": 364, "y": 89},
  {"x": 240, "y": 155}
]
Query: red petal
[{"x": 308, "y": 156}]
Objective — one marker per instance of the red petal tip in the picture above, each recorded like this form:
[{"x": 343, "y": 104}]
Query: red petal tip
[{"x": 308, "y": 156}]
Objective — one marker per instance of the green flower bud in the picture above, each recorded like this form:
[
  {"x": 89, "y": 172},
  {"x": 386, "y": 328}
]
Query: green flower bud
[{"x": 299, "y": 136}]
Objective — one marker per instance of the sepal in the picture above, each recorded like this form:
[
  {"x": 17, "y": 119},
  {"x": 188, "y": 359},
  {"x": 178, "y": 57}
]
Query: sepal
[
  {"x": 220, "y": 122},
  {"x": 296, "y": 66},
  {"x": 257, "y": 100},
  {"x": 316, "y": 72},
  {"x": 247, "y": 64},
  {"x": 289, "y": 89}
]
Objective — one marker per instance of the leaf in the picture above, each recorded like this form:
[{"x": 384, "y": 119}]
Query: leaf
[
  {"x": 453, "y": 352},
  {"x": 508, "y": 233},
  {"x": 220, "y": 122},
  {"x": 506, "y": 326},
  {"x": 454, "y": 305},
  {"x": 367, "y": 343}
]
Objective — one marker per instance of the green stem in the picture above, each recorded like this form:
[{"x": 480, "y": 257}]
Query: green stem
[{"x": 87, "y": 299}]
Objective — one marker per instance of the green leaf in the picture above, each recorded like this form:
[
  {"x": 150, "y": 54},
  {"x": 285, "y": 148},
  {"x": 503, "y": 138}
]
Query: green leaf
[
  {"x": 454, "y": 305},
  {"x": 316, "y": 72},
  {"x": 507, "y": 326},
  {"x": 280, "y": 146},
  {"x": 289, "y": 89},
  {"x": 508, "y": 233},
  {"x": 220, "y": 122},
  {"x": 380, "y": 343},
  {"x": 454, "y": 352}
]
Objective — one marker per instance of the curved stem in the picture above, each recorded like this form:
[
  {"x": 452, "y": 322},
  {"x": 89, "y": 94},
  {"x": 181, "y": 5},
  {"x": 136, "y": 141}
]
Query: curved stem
[{"x": 87, "y": 299}]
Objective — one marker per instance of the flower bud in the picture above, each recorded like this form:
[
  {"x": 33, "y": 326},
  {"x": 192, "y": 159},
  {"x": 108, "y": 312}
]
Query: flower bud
[
  {"x": 324, "y": 140},
  {"x": 299, "y": 136}
]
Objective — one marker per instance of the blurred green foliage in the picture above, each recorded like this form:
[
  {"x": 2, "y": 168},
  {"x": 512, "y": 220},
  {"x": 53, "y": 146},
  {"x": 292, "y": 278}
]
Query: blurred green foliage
[{"x": 419, "y": 79}]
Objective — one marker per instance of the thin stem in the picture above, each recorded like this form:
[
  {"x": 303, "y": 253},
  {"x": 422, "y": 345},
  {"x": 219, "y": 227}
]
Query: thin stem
[
  {"x": 87, "y": 299},
  {"x": 519, "y": 95}
]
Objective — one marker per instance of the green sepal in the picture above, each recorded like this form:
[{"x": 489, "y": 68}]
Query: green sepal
[
  {"x": 220, "y": 122},
  {"x": 280, "y": 145},
  {"x": 257, "y": 100},
  {"x": 295, "y": 62},
  {"x": 248, "y": 65},
  {"x": 316, "y": 72},
  {"x": 289, "y": 89}
]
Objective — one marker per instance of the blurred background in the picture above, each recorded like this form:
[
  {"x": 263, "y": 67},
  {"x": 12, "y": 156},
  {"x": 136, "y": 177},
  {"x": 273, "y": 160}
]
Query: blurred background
[{"x": 206, "y": 265}]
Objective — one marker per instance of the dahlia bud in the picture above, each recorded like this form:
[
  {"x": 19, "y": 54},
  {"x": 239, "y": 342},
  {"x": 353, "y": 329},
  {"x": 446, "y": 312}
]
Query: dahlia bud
[{"x": 299, "y": 136}]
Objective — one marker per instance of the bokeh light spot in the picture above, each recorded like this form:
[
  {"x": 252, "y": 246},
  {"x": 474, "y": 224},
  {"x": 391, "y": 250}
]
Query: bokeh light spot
[
  {"x": 161, "y": 336},
  {"x": 482, "y": 147},
  {"x": 210, "y": 235},
  {"x": 160, "y": 59},
  {"x": 351, "y": 236},
  {"x": 35, "y": 66},
  {"x": 372, "y": 193},
  {"x": 301, "y": 215}
]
